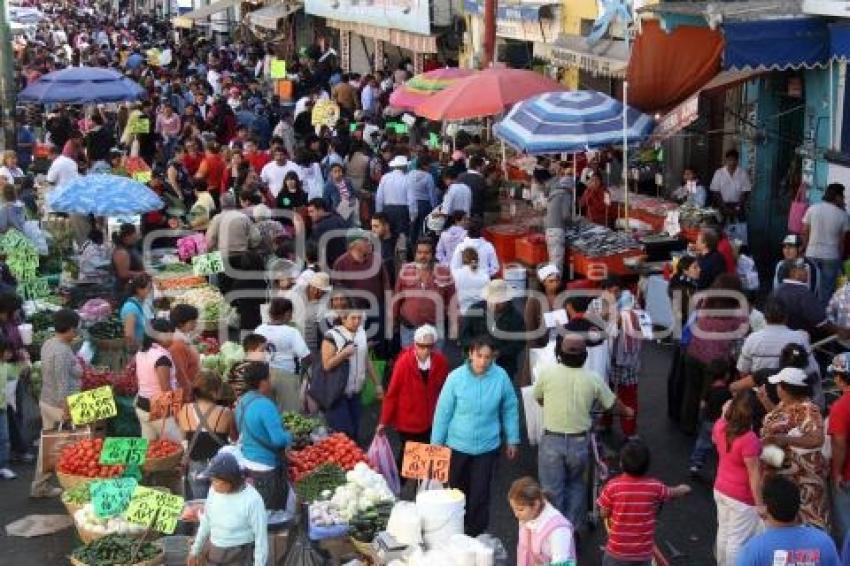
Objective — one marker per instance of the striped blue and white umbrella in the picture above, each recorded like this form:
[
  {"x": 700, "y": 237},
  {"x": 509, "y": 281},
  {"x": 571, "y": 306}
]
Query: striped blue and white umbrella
[
  {"x": 564, "y": 122},
  {"x": 104, "y": 195}
]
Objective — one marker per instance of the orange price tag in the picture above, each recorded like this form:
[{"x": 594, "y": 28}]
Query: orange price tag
[
  {"x": 166, "y": 404},
  {"x": 426, "y": 461}
]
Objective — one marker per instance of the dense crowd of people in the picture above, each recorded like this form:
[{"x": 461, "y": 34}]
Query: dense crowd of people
[{"x": 367, "y": 245}]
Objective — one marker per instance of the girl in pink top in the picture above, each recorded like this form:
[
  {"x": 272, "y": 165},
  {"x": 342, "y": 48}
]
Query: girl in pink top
[
  {"x": 156, "y": 373},
  {"x": 545, "y": 536},
  {"x": 737, "y": 487}
]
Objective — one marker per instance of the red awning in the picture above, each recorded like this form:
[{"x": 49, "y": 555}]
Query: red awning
[
  {"x": 666, "y": 68},
  {"x": 687, "y": 112}
]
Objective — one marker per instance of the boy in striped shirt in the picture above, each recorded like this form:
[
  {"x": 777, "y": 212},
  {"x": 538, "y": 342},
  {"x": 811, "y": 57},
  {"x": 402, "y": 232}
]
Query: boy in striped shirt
[{"x": 630, "y": 502}]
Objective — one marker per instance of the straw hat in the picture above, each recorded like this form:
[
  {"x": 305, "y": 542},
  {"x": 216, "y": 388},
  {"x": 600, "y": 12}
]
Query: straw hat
[{"x": 497, "y": 291}]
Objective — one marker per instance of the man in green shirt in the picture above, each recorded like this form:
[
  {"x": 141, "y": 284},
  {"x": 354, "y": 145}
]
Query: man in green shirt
[{"x": 567, "y": 393}]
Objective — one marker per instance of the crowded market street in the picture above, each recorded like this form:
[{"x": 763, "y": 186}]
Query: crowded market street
[{"x": 431, "y": 283}]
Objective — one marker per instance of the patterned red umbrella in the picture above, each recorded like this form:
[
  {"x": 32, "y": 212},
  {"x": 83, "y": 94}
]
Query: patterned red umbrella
[
  {"x": 419, "y": 88},
  {"x": 486, "y": 93}
]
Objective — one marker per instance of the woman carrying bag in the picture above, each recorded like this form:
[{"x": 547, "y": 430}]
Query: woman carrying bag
[{"x": 207, "y": 427}]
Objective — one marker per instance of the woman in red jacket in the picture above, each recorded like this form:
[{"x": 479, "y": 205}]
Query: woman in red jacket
[{"x": 418, "y": 376}]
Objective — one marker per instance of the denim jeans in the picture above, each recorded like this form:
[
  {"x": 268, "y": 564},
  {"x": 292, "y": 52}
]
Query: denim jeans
[
  {"x": 829, "y": 270},
  {"x": 562, "y": 465},
  {"x": 703, "y": 446},
  {"x": 840, "y": 513},
  {"x": 344, "y": 416},
  {"x": 608, "y": 560},
  {"x": 4, "y": 439}
]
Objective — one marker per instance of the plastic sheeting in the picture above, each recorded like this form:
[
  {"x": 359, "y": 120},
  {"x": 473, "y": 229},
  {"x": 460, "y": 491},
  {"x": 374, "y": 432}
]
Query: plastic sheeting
[{"x": 665, "y": 69}]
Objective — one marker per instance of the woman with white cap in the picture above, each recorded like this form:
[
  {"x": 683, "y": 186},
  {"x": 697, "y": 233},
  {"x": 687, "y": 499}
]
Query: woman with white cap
[
  {"x": 233, "y": 528},
  {"x": 419, "y": 373},
  {"x": 541, "y": 322},
  {"x": 796, "y": 426}
]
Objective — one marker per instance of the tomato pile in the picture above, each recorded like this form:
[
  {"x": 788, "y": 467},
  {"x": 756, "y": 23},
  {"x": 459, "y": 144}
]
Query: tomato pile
[
  {"x": 162, "y": 448},
  {"x": 82, "y": 459},
  {"x": 208, "y": 345},
  {"x": 94, "y": 377},
  {"x": 335, "y": 449}
]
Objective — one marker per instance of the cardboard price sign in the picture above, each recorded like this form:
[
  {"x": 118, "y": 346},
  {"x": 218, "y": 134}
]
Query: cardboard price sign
[
  {"x": 93, "y": 405},
  {"x": 277, "y": 69},
  {"x": 207, "y": 264},
  {"x": 426, "y": 461},
  {"x": 325, "y": 113},
  {"x": 124, "y": 450},
  {"x": 141, "y": 126},
  {"x": 154, "y": 509},
  {"x": 143, "y": 176},
  {"x": 166, "y": 404},
  {"x": 111, "y": 497}
]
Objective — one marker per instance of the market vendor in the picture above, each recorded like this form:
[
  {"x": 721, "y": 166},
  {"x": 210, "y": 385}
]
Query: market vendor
[
  {"x": 126, "y": 259},
  {"x": 263, "y": 436},
  {"x": 692, "y": 191},
  {"x": 730, "y": 188},
  {"x": 595, "y": 201},
  {"x": 187, "y": 359},
  {"x": 233, "y": 530}
]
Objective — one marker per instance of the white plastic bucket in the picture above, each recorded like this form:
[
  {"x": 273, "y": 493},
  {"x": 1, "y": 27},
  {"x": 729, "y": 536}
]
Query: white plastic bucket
[
  {"x": 25, "y": 330},
  {"x": 515, "y": 276},
  {"x": 441, "y": 511}
]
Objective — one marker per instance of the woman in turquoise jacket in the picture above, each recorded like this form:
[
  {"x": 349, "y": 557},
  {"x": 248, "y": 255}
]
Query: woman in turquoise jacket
[{"x": 476, "y": 409}]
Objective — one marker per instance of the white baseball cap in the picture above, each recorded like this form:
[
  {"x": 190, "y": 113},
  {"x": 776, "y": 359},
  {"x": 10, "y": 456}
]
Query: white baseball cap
[{"x": 791, "y": 376}]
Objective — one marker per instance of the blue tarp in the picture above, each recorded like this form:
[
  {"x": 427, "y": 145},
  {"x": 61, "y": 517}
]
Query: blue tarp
[
  {"x": 839, "y": 41},
  {"x": 776, "y": 44}
]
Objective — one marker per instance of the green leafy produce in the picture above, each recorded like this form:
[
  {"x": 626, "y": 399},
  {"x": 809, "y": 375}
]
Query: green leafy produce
[
  {"x": 366, "y": 524},
  {"x": 175, "y": 268},
  {"x": 300, "y": 427},
  {"x": 108, "y": 329},
  {"x": 326, "y": 477},
  {"x": 115, "y": 550},
  {"x": 41, "y": 320},
  {"x": 79, "y": 494}
]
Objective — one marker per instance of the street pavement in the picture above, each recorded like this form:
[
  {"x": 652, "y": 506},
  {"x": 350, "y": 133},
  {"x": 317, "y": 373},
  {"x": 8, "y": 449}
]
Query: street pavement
[{"x": 687, "y": 524}]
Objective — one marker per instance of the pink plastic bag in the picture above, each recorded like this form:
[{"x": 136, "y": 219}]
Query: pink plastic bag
[
  {"x": 798, "y": 210},
  {"x": 382, "y": 459}
]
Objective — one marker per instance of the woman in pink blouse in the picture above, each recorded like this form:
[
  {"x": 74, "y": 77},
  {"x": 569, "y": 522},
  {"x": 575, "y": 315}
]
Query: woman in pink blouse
[
  {"x": 715, "y": 331},
  {"x": 168, "y": 126}
]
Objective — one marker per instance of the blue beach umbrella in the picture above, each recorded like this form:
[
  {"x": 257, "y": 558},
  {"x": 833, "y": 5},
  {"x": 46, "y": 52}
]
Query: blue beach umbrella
[
  {"x": 81, "y": 85},
  {"x": 565, "y": 122},
  {"x": 104, "y": 195}
]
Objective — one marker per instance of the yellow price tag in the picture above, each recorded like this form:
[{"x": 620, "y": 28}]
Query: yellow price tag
[
  {"x": 143, "y": 176},
  {"x": 154, "y": 509},
  {"x": 277, "y": 69},
  {"x": 93, "y": 405}
]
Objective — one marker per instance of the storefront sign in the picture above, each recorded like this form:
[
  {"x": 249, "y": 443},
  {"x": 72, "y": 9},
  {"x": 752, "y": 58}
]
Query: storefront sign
[
  {"x": 590, "y": 62},
  {"x": 407, "y": 15},
  {"x": 540, "y": 31},
  {"x": 677, "y": 119},
  {"x": 418, "y": 43}
]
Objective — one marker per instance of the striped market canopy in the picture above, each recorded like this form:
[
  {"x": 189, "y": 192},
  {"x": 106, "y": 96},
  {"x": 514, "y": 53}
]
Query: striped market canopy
[{"x": 564, "y": 122}]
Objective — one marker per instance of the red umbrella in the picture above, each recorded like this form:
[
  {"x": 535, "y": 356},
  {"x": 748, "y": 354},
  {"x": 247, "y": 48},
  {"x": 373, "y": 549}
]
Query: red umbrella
[
  {"x": 489, "y": 92},
  {"x": 421, "y": 87}
]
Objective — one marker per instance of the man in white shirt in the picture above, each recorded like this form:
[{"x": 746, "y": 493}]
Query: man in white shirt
[
  {"x": 824, "y": 226},
  {"x": 288, "y": 353},
  {"x": 487, "y": 257},
  {"x": 395, "y": 199},
  {"x": 731, "y": 187},
  {"x": 62, "y": 171},
  {"x": 274, "y": 172}
]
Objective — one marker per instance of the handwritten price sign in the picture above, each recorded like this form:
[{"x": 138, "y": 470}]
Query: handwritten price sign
[
  {"x": 207, "y": 264},
  {"x": 118, "y": 450},
  {"x": 166, "y": 404},
  {"x": 111, "y": 497},
  {"x": 426, "y": 461},
  {"x": 154, "y": 509},
  {"x": 93, "y": 405}
]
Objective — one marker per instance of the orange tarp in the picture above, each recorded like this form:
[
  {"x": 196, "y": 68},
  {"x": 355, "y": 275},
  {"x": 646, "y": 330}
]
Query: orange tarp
[{"x": 665, "y": 68}]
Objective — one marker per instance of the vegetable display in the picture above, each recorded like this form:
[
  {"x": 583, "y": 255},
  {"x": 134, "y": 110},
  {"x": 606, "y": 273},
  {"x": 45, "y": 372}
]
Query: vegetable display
[
  {"x": 83, "y": 459},
  {"x": 369, "y": 522},
  {"x": 175, "y": 268},
  {"x": 207, "y": 345},
  {"x": 126, "y": 382},
  {"x": 162, "y": 448},
  {"x": 86, "y": 519},
  {"x": 115, "y": 550},
  {"x": 208, "y": 300},
  {"x": 364, "y": 488},
  {"x": 229, "y": 354},
  {"x": 94, "y": 377},
  {"x": 78, "y": 495},
  {"x": 335, "y": 449},
  {"x": 41, "y": 320},
  {"x": 180, "y": 282},
  {"x": 109, "y": 329},
  {"x": 300, "y": 427},
  {"x": 323, "y": 480}
]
